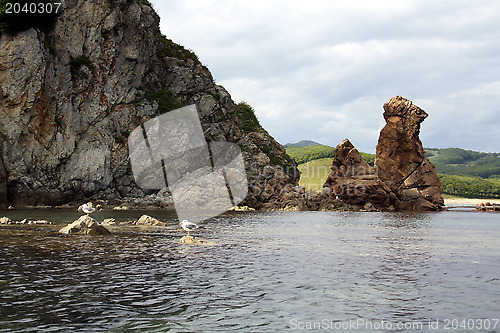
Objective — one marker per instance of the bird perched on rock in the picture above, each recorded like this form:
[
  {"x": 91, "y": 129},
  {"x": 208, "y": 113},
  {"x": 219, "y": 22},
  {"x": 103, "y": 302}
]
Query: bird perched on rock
[
  {"x": 188, "y": 226},
  {"x": 87, "y": 208}
]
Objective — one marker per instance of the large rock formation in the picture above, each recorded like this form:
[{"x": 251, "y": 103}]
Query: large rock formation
[
  {"x": 354, "y": 181},
  {"x": 400, "y": 161},
  {"x": 70, "y": 95},
  {"x": 403, "y": 178}
]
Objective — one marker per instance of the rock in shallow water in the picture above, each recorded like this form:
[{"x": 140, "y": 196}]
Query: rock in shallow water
[
  {"x": 188, "y": 239},
  {"x": 5, "y": 220},
  {"x": 150, "y": 221},
  {"x": 85, "y": 225},
  {"x": 401, "y": 163}
]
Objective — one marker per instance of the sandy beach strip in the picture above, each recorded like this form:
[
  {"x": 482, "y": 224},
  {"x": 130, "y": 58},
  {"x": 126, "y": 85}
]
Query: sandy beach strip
[{"x": 467, "y": 201}]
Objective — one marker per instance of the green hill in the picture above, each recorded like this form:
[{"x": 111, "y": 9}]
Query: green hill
[
  {"x": 303, "y": 143},
  {"x": 305, "y": 154},
  {"x": 470, "y": 187},
  {"x": 464, "y": 173},
  {"x": 456, "y": 161},
  {"x": 467, "y": 173},
  {"x": 313, "y": 174}
]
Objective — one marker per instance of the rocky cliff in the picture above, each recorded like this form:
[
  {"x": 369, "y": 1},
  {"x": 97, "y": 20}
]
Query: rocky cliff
[
  {"x": 72, "y": 91},
  {"x": 403, "y": 178}
]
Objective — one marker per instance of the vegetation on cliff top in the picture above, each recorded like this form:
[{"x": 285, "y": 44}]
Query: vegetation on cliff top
[
  {"x": 168, "y": 48},
  {"x": 247, "y": 115}
]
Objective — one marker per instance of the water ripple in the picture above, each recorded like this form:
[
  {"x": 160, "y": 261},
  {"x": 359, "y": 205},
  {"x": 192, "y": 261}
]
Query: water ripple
[{"x": 265, "y": 270}]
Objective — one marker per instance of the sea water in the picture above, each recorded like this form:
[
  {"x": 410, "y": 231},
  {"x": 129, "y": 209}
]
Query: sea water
[{"x": 266, "y": 272}]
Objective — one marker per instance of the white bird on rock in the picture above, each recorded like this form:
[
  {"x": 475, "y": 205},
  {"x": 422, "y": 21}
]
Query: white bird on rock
[
  {"x": 87, "y": 208},
  {"x": 188, "y": 226}
]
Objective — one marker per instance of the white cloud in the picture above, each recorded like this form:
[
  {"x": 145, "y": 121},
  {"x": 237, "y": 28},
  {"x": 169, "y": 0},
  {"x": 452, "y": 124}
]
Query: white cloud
[{"x": 322, "y": 70}]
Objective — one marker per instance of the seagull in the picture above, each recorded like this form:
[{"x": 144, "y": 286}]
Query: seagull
[
  {"x": 87, "y": 208},
  {"x": 188, "y": 226}
]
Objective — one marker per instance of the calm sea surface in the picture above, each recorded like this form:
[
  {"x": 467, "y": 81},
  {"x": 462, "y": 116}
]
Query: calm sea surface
[{"x": 266, "y": 272}]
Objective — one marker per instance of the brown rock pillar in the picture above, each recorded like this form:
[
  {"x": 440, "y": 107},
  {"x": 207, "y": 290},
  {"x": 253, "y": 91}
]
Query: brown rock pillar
[{"x": 400, "y": 161}]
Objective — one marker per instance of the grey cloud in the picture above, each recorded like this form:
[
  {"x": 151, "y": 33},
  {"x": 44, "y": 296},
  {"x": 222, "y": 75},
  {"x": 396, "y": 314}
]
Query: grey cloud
[{"x": 322, "y": 70}]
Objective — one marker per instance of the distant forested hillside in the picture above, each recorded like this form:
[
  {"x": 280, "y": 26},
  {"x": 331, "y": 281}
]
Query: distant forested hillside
[
  {"x": 456, "y": 161},
  {"x": 470, "y": 187},
  {"x": 464, "y": 173},
  {"x": 304, "y": 154},
  {"x": 303, "y": 143},
  {"x": 467, "y": 173}
]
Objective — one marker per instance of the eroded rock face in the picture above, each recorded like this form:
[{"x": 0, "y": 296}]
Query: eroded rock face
[
  {"x": 69, "y": 99},
  {"x": 403, "y": 178},
  {"x": 400, "y": 161},
  {"x": 354, "y": 181}
]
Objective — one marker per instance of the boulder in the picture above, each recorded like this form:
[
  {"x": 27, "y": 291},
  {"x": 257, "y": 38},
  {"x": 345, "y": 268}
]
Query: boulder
[
  {"x": 110, "y": 221},
  {"x": 5, "y": 220},
  {"x": 85, "y": 225},
  {"x": 149, "y": 221},
  {"x": 400, "y": 160},
  {"x": 188, "y": 239},
  {"x": 241, "y": 209}
]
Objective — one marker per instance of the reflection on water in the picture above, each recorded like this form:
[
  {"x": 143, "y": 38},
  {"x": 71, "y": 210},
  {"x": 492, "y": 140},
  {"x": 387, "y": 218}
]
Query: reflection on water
[{"x": 266, "y": 272}]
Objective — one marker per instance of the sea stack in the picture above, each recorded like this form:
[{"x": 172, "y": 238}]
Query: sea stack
[
  {"x": 403, "y": 179},
  {"x": 354, "y": 182},
  {"x": 400, "y": 160}
]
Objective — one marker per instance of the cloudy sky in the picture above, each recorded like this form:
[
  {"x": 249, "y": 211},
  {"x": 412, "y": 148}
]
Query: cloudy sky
[{"x": 322, "y": 69}]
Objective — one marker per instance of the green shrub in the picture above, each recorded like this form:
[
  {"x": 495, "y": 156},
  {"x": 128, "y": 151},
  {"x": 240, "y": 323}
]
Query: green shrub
[
  {"x": 247, "y": 115},
  {"x": 168, "y": 48},
  {"x": 119, "y": 139},
  {"x": 165, "y": 99},
  {"x": 76, "y": 66}
]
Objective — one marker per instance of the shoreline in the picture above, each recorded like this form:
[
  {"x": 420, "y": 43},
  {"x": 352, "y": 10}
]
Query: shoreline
[{"x": 468, "y": 201}]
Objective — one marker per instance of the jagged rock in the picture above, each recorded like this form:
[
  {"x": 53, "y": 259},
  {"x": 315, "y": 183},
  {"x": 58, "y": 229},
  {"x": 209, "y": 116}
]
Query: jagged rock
[
  {"x": 70, "y": 97},
  {"x": 354, "y": 182},
  {"x": 5, "y": 220},
  {"x": 400, "y": 161},
  {"x": 241, "y": 209},
  {"x": 487, "y": 207},
  {"x": 296, "y": 198},
  {"x": 188, "y": 239},
  {"x": 121, "y": 208},
  {"x": 403, "y": 178},
  {"x": 107, "y": 222},
  {"x": 149, "y": 221},
  {"x": 85, "y": 225}
]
